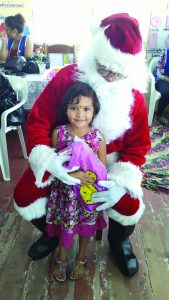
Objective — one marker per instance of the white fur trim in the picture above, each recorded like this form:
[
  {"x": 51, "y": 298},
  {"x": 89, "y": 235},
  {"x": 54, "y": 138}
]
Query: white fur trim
[
  {"x": 128, "y": 176},
  {"x": 113, "y": 58},
  {"x": 126, "y": 220},
  {"x": 33, "y": 211},
  {"x": 39, "y": 159}
]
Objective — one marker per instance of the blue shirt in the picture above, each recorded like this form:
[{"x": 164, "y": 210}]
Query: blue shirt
[{"x": 21, "y": 47}]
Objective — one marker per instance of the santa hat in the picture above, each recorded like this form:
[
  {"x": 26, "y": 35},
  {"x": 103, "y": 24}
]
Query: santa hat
[{"x": 117, "y": 43}]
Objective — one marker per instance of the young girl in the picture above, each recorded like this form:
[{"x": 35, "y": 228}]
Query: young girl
[{"x": 65, "y": 214}]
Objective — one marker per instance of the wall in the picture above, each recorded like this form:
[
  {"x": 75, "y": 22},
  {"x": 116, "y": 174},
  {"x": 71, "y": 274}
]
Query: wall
[
  {"x": 68, "y": 22},
  {"x": 13, "y": 7},
  {"x": 62, "y": 21}
]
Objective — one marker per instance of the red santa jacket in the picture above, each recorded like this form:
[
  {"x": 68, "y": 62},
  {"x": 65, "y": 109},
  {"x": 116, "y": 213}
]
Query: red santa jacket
[{"x": 125, "y": 154}]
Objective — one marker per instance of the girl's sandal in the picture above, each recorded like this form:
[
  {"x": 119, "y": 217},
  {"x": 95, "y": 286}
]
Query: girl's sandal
[
  {"x": 60, "y": 271},
  {"x": 78, "y": 269}
]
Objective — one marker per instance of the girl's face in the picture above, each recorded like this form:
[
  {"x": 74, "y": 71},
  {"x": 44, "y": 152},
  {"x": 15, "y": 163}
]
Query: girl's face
[{"x": 80, "y": 114}]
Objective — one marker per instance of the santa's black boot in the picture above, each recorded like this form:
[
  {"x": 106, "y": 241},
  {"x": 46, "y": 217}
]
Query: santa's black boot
[
  {"x": 121, "y": 248},
  {"x": 45, "y": 244}
]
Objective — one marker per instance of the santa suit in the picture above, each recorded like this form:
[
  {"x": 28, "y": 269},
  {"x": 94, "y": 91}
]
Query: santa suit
[
  {"x": 113, "y": 65},
  {"x": 125, "y": 153}
]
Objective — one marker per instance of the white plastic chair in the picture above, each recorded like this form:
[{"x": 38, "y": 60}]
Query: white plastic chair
[
  {"x": 154, "y": 94},
  {"x": 20, "y": 86}
]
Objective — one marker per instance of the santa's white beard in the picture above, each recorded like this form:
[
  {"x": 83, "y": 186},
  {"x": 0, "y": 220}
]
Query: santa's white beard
[
  {"x": 116, "y": 100},
  {"x": 115, "y": 106}
]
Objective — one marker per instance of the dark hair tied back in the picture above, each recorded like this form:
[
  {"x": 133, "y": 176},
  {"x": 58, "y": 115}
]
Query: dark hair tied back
[{"x": 15, "y": 22}]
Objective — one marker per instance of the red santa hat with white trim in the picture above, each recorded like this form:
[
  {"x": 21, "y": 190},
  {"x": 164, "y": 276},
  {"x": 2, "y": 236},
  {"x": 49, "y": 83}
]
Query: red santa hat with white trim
[
  {"x": 116, "y": 43},
  {"x": 122, "y": 31}
]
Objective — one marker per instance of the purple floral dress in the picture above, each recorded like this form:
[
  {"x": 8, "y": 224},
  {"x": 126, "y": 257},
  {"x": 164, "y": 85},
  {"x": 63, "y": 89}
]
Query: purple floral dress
[{"x": 65, "y": 215}]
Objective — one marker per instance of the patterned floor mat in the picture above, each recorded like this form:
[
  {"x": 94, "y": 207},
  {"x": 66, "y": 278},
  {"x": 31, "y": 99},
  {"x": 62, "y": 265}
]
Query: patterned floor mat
[{"x": 156, "y": 168}]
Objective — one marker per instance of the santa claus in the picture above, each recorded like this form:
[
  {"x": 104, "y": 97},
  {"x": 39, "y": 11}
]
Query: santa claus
[{"x": 113, "y": 65}]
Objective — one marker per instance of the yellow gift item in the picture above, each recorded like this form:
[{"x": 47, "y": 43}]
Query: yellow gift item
[
  {"x": 87, "y": 190},
  {"x": 57, "y": 69}
]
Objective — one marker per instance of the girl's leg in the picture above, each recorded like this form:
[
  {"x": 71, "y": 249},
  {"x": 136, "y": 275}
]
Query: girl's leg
[
  {"x": 83, "y": 243},
  {"x": 62, "y": 253},
  {"x": 80, "y": 262},
  {"x": 60, "y": 267}
]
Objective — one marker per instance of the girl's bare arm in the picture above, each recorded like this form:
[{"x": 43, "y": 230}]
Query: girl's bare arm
[
  {"x": 54, "y": 138},
  {"x": 102, "y": 151}
]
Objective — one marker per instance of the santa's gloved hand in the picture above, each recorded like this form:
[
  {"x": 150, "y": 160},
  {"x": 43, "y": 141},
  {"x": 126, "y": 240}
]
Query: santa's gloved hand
[
  {"x": 56, "y": 169},
  {"x": 110, "y": 197}
]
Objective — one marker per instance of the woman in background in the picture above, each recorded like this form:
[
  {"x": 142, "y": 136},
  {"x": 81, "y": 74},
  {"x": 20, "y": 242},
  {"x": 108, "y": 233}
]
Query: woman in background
[
  {"x": 162, "y": 85},
  {"x": 16, "y": 43}
]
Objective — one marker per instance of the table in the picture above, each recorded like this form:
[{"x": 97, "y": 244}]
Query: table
[{"x": 36, "y": 84}]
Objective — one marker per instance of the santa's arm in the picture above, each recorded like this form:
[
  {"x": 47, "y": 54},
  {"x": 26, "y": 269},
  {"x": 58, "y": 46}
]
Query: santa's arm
[
  {"x": 41, "y": 120},
  {"x": 133, "y": 148}
]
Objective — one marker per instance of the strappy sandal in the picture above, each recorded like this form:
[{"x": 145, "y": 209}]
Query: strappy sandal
[
  {"x": 60, "y": 271},
  {"x": 77, "y": 270}
]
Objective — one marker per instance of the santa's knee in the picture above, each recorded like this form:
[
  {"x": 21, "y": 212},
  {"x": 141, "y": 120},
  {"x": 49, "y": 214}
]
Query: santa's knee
[{"x": 30, "y": 200}]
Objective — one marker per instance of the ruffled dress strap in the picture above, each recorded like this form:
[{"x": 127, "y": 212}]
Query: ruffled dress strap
[{"x": 93, "y": 139}]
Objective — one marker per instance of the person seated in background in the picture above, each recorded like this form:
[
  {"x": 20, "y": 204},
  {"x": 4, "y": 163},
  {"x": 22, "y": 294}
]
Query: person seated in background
[
  {"x": 162, "y": 85},
  {"x": 15, "y": 43}
]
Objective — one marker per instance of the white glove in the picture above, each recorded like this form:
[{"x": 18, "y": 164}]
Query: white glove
[
  {"x": 110, "y": 197},
  {"x": 55, "y": 168}
]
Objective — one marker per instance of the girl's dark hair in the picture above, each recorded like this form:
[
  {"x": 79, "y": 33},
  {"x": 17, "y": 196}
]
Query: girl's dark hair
[
  {"x": 15, "y": 22},
  {"x": 74, "y": 92}
]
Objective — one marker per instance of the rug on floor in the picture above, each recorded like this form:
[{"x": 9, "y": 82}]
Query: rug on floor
[{"x": 156, "y": 168}]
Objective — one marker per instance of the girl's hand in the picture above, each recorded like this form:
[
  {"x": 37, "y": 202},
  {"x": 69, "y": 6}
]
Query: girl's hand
[{"x": 83, "y": 177}]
